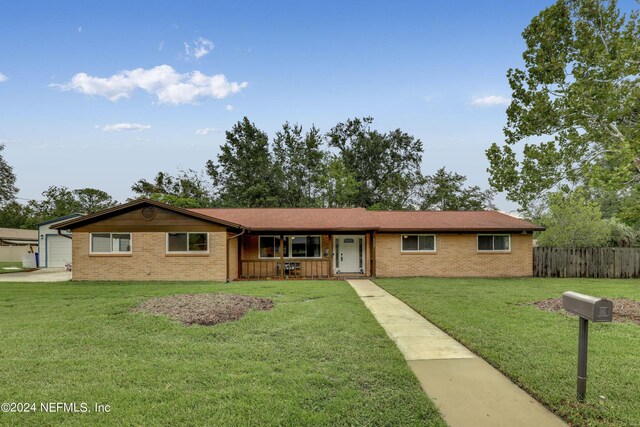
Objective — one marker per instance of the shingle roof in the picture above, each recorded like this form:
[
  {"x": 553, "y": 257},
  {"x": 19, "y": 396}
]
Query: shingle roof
[{"x": 293, "y": 219}]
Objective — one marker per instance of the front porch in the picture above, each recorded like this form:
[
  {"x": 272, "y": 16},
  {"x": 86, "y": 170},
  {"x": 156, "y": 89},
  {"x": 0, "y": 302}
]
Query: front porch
[{"x": 306, "y": 256}]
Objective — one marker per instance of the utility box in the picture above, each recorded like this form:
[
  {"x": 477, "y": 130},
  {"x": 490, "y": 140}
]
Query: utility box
[{"x": 588, "y": 307}]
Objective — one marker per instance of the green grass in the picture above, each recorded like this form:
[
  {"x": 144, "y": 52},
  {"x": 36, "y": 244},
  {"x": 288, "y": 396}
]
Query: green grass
[
  {"x": 536, "y": 349},
  {"x": 10, "y": 264},
  {"x": 318, "y": 358}
]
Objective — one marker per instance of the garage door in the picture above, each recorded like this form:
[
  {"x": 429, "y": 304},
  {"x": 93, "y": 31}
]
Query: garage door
[{"x": 58, "y": 251}]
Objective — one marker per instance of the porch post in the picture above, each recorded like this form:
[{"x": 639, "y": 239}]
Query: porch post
[
  {"x": 281, "y": 256},
  {"x": 240, "y": 238},
  {"x": 373, "y": 254},
  {"x": 330, "y": 264}
]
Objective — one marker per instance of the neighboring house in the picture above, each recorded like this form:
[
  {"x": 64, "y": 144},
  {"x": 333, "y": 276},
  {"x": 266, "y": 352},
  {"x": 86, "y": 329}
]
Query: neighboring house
[
  {"x": 15, "y": 242},
  {"x": 55, "y": 247},
  {"x": 148, "y": 240}
]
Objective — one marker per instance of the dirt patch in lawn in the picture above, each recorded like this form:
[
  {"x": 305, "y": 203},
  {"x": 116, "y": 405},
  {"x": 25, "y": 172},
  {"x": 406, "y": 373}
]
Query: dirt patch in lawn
[
  {"x": 624, "y": 310},
  {"x": 204, "y": 309}
]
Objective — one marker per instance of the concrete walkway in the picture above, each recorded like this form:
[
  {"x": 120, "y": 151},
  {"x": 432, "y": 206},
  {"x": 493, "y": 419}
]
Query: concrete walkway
[
  {"x": 466, "y": 389},
  {"x": 43, "y": 275}
]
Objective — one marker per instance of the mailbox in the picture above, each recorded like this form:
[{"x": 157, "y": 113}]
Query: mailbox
[{"x": 588, "y": 307}]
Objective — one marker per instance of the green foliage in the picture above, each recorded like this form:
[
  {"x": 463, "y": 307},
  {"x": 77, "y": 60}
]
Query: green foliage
[
  {"x": 8, "y": 189},
  {"x": 445, "y": 191},
  {"x": 386, "y": 166},
  {"x": 16, "y": 215},
  {"x": 244, "y": 174},
  {"x": 92, "y": 200},
  {"x": 299, "y": 165},
  {"x": 573, "y": 221},
  {"x": 623, "y": 235},
  {"x": 340, "y": 185},
  {"x": 188, "y": 189},
  {"x": 576, "y": 103}
]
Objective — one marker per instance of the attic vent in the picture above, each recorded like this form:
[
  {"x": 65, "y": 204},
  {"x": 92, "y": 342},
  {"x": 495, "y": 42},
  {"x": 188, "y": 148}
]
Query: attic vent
[{"x": 148, "y": 213}]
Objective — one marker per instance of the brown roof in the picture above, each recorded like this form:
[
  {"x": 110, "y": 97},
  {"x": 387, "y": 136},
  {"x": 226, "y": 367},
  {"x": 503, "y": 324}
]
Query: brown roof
[
  {"x": 295, "y": 219},
  {"x": 333, "y": 219},
  {"x": 449, "y": 221},
  {"x": 299, "y": 219}
]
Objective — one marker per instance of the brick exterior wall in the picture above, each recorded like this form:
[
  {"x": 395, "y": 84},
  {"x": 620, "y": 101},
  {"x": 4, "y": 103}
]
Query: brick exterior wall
[
  {"x": 456, "y": 256},
  {"x": 149, "y": 261}
]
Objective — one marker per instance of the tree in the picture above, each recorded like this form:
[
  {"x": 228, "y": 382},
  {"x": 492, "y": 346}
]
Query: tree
[
  {"x": 573, "y": 221},
  {"x": 386, "y": 166},
  {"x": 244, "y": 174},
  {"x": 57, "y": 202},
  {"x": 300, "y": 165},
  {"x": 8, "y": 189},
  {"x": 16, "y": 215},
  {"x": 188, "y": 189},
  {"x": 91, "y": 200},
  {"x": 576, "y": 103},
  {"x": 445, "y": 191},
  {"x": 340, "y": 188}
]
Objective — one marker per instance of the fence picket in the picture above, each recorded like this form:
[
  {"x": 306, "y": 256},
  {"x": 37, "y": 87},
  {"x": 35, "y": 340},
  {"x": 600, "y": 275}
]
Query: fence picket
[{"x": 586, "y": 262}]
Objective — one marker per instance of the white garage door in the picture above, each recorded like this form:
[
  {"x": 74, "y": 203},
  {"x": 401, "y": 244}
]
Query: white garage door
[{"x": 58, "y": 251}]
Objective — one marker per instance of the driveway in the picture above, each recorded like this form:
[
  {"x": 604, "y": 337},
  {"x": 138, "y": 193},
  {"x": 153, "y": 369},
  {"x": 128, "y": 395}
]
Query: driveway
[{"x": 44, "y": 275}]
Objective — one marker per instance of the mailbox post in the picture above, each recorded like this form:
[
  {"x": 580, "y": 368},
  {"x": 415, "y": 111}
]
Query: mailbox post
[{"x": 587, "y": 308}]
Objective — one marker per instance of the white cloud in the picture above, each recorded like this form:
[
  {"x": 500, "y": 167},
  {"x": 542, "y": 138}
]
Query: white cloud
[
  {"x": 169, "y": 86},
  {"x": 3, "y": 78},
  {"x": 207, "y": 131},
  {"x": 161, "y": 45},
  {"x": 119, "y": 127},
  {"x": 229, "y": 107},
  {"x": 490, "y": 101},
  {"x": 198, "y": 48}
]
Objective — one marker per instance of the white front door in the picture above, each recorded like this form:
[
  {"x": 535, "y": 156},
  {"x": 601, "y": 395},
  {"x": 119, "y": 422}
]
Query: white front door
[{"x": 349, "y": 254}]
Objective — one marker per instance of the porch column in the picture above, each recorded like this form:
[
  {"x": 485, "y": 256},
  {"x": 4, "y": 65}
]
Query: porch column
[
  {"x": 281, "y": 256},
  {"x": 373, "y": 254},
  {"x": 330, "y": 263},
  {"x": 240, "y": 238}
]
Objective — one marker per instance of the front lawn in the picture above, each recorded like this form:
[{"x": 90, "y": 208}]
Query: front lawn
[
  {"x": 10, "y": 267},
  {"x": 317, "y": 358},
  {"x": 538, "y": 349}
]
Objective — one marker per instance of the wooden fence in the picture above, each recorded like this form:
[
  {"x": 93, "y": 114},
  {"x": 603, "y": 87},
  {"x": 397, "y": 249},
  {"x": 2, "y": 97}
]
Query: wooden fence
[{"x": 586, "y": 262}]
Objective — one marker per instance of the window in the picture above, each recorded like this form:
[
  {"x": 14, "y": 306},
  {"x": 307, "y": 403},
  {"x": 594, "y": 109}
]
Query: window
[
  {"x": 294, "y": 247},
  {"x": 418, "y": 243},
  {"x": 495, "y": 242},
  {"x": 106, "y": 243},
  {"x": 270, "y": 247},
  {"x": 188, "y": 242},
  {"x": 305, "y": 246}
]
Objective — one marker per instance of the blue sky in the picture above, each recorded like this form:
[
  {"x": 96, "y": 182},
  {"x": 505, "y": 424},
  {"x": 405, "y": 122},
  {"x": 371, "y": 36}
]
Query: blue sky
[{"x": 429, "y": 68}]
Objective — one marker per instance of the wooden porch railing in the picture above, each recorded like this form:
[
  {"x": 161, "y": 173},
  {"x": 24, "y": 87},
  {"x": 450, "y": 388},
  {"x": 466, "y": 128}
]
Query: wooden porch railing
[{"x": 290, "y": 269}]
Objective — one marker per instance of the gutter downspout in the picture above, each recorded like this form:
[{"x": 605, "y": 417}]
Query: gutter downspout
[
  {"x": 63, "y": 235},
  {"x": 227, "y": 250}
]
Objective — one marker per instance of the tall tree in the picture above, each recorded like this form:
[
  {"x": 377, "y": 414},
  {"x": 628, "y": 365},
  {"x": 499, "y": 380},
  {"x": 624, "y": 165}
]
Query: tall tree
[
  {"x": 446, "y": 191},
  {"x": 300, "y": 166},
  {"x": 92, "y": 200},
  {"x": 576, "y": 103},
  {"x": 573, "y": 221},
  {"x": 8, "y": 188},
  {"x": 244, "y": 173},
  {"x": 340, "y": 188},
  {"x": 386, "y": 166},
  {"x": 188, "y": 189}
]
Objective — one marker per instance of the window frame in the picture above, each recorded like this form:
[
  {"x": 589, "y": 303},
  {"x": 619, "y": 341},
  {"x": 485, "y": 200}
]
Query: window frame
[
  {"x": 111, "y": 251},
  {"x": 289, "y": 246},
  {"x": 418, "y": 251},
  {"x": 484, "y": 251},
  {"x": 187, "y": 252}
]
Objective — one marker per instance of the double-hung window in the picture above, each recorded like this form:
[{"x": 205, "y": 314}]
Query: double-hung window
[
  {"x": 187, "y": 243},
  {"x": 270, "y": 246},
  {"x": 494, "y": 242},
  {"x": 110, "y": 243},
  {"x": 418, "y": 243}
]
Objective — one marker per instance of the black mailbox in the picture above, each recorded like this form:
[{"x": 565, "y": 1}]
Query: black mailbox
[{"x": 591, "y": 308}]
